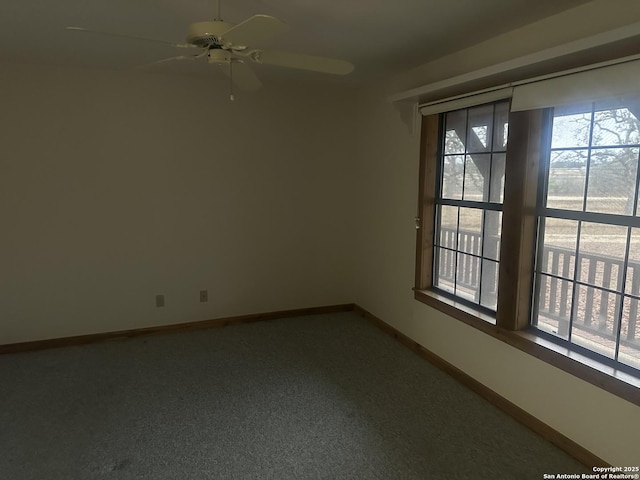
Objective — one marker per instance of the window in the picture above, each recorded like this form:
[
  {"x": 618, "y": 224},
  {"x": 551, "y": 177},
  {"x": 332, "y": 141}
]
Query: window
[
  {"x": 469, "y": 203},
  {"x": 587, "y": 287},
  {"x": 529, "y": 219}
]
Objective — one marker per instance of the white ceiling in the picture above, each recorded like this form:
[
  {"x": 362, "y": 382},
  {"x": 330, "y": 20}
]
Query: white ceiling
[{"x": 378, "y": 37}]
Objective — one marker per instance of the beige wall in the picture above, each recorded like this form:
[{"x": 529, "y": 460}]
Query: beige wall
[
  {"x": 387, "y": 202},
  {"x": 117, "y": 186}
]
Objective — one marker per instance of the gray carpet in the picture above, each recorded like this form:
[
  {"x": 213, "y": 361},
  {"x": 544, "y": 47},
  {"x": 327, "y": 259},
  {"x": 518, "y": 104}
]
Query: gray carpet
[{"x": 318, "y": 397}]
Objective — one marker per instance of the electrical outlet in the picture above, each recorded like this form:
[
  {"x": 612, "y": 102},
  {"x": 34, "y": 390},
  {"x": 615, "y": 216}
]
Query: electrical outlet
[
  {"x": 159, "y": 300},
  {"x": 204, "y": 296}
]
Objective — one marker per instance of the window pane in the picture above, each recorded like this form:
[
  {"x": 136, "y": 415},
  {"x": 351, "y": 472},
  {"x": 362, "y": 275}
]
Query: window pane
[
  {"x": 455, "y": 127},
  {"x": 567, "y": 172},
  {"x": 596, "y": 320},
  {"x": 612, "y": 180},
  {"x": 571, "y": 129},
  {"x": 468, "y": 277},
  {"x": 472, "y": 173},
  {"x": 470, "y": 233},
  {"x": 496, "y": 193},
  {"x": 615, "y": 126},
  {"x": 448, "y": 228},
  {"x": 501, "y": 127},
  {"x": 480, "y": 134},
  {"x": 554, "y": 306},
  {"x": 630, "y": 333},
  {"x": 492, "y": 233},
  {"x": 633, "y": 268},
  {"x": 559, "y": 247},
  {"x": 480, "y": 130},
  {"x": 489, "y": 297},
  {"x": 601, "y": 255},
  {"x": 476, "y": 170},
  {"x": 445, "y": 278},
  {"x": 452, "y": 175}
]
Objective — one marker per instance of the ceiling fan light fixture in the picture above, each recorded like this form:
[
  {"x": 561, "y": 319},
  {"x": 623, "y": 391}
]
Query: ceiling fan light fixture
[{"x": 218, "y": 56}]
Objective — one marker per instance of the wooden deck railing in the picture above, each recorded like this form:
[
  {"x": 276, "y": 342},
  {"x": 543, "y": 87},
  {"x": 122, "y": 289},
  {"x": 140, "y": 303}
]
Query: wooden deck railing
[
  {"x": 466, "y": 273},
  {"x": 596, "y": 311}
]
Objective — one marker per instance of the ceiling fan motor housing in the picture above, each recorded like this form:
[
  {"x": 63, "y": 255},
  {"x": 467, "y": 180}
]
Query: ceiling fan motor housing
[{"x": 206, "y": 34}]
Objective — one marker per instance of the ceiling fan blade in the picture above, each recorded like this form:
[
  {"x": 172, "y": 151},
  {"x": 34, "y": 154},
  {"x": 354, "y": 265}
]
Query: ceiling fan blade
[
  {"x": 164, "y": 60},
  {"x": 254, "y": 31},
  {"x": 171, "y": 59},
  {"x": 303, "y": 62},
  {"x": 242, "y": 76},
  {"x": 131, "y": 37}
]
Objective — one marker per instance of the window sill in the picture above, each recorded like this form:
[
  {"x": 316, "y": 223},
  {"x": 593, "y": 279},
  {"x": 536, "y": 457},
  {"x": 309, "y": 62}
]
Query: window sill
[
  {"x": 621, "y": 384},
  {"x": 458, "y": 310}
]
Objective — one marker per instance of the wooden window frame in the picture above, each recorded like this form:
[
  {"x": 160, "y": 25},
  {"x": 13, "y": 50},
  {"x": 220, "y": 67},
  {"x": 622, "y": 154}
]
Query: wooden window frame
[{"x": 515, "y": 284}]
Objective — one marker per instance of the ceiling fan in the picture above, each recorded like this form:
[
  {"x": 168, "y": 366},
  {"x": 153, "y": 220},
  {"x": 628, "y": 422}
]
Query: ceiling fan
[{"x": 234, "y": 47}]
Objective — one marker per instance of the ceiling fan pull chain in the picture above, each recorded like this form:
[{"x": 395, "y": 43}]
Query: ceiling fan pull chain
[{"x": 231, "y": 97}]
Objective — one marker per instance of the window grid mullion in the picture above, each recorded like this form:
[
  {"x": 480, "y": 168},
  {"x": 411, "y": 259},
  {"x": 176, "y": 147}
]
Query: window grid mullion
[
  {"x": 574, "y": 288},
  {"x": 436, "y": 250},
  {"x": 540, "y": 251},
  {"x": 491, "y": 152},
  {"x": 496, "y": 207},
  {"x": 490, "y": 137},
  {"x": 585, "y": 193},
  {"x": 637, "y": 192},
  {"x": 622, "y": 287},
  {"x": 596, "y": 147},
  {"x": 594, "y": 217},
  {"x": 457, "y": 254},
  {"x": 580, "y": 283},
  {"x": 464, "y": 181},
  {"x": 435, "y": 277},
  {"x": 465, "y": 253},
  {"x": 481, "y": 256},
  {"x": 578, "y": 261}
]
